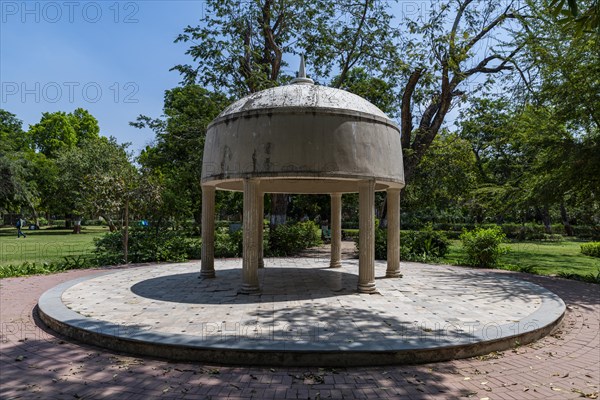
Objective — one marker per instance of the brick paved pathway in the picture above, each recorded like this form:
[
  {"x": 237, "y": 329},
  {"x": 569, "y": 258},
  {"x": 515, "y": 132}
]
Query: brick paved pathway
[{"x": 34, "y": 363}]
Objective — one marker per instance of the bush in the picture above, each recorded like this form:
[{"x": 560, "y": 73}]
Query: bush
[
  {"x": 589, "y": 278},
  {"x": 483, "y": 246},
  {"x": 34, "y": 268},
  {"x": 283, "y": 240},
  {"x": 228, "y": 244},
  {"x": 426, "y": 242},
  {"x": 527, "y": 269},
  {"x": 290, "y": 238},
  {"x": 426, "y": 245},
  {"x": 591, "y": 249},
  {"x": 351, "y": 234},
  {"x": 146, "y": 245}
]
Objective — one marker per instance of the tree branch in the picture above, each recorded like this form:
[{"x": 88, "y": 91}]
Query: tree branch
[
  {"x": 488, "y": 28},
  {"x": 347, "y": 66},
  {"x": 406, "y": 112},
  {"x": 483, "y": 68},
  {"x": 457, "y": 19}
]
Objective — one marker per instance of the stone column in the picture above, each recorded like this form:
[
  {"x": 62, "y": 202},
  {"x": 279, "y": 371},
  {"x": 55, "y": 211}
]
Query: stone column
[
  {"x": 251, "y": 248},
  {"x": 207, "y": 267},
  {"x": 260, "y": 227},
  {"x": 336, "y": 230},
  {"x": 366, "y": 259},
  {"x": 393, "y": 234}
]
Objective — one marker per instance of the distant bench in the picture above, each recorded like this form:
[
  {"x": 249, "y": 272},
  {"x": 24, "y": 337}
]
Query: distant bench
[{"x": 325, "y": 233}]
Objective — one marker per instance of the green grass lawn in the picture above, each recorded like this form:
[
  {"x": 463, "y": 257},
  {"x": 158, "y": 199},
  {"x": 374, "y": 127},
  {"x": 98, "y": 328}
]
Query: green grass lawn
[
  {"x": 46, "y": 245},
  {"x": 547, "y": 258}
]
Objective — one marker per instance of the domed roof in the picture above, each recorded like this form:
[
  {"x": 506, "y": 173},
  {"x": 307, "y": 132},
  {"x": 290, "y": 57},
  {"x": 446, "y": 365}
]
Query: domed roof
[
  {"x": 303, "y": 138},
  {"x": 304, "y": 96}
]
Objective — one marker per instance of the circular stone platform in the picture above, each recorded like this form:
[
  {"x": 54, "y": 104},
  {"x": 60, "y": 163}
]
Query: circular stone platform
[{"x": 307, "y": 313}]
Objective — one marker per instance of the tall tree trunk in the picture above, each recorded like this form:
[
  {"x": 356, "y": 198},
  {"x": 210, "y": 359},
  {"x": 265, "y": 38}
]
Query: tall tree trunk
[
  {"x": 383, "y": 213},
  {"x": 565, "y": 220},
  {"x": 36, "y": 217},
  {"x": 279, "y": 203},
  {"x": 68, "y": 222},
  {"x": 77, "y": 224},
  {"x": 111, "y": 225},
  {"x": 546, "y": 220}
]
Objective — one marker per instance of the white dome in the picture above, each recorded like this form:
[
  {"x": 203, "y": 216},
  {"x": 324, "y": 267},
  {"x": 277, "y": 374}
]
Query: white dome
[
  {"x": 305, "y": 97},
  {"x": 303, "y": 138}
]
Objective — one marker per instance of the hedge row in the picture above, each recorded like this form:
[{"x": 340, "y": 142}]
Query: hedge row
[
  {"x": 591, "y": 249},
  {"x": 516, "y": 231}
]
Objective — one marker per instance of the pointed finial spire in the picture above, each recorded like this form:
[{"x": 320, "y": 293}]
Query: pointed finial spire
[
  {"x": 302, "y": 69},
  {"x": 301, "y": 74}
]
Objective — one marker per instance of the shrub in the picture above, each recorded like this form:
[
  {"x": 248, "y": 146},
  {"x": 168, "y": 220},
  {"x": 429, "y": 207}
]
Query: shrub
[
  {"x": 427, "y": 242},
  {"x": 483, "y": 246},
  {"x": 426, "y": 245},
  {"x": 589, "y": 278},
  {"x": 591, "y": 249},
  {"x": 527, "y": 269},
  {"x": 228, "y": 244},
  {"x": 145, "y": 245},
  {"x": 351, "y": 234},
  {"x": 34, "y": 268},
  {"x": 287, "y": 239},
  {"x": 283, "y": 240}
]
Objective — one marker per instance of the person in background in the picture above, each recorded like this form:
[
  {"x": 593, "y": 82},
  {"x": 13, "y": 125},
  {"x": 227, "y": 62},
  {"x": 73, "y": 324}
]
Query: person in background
[{"x": 18, "y": 225}]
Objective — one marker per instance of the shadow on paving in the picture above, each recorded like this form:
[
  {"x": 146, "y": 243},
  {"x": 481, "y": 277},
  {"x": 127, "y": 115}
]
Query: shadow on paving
[
  {"x": 53, "y": 366},
  {"x": 277, "y": 284},
  {"x": 37, "y": 363}
]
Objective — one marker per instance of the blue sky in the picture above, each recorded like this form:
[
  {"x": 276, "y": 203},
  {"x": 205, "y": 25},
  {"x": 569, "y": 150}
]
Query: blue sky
[{"x": 110, "y": 57}]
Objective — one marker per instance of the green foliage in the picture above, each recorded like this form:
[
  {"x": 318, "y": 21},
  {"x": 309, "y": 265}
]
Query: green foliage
[
  {"x": 146, "y": 245},
  {"x": 290, "y": 238},
  {"x": 526, "y": 269},
  {"x": 172, "y": 165},
  {"x": 12, "y": 136},
  {"x": 444, "y": 179},
  {"x": 591, "y": 249},
  {"x": 94, "y": 178},
  {"x": 380, "y": 244},
  {"x": 35, "y": 268},
  {"x": 376, "y": 90},
  {"x": 425, "y": 245},
  {"x": 58, "y": 130},
  {"x": 589, "y": 278},
  {"x": 351, "y": 234},
  {"x": 283, "y": 240},
  {"x": 228, "y": 244},
  {"x": 569, "y": 14},
  {"x": 483, "y": 246}
]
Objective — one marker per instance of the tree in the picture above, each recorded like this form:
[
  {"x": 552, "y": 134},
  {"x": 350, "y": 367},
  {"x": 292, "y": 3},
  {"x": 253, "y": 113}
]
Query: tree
[
  {"x": 442, "y": 185},
  {"x": 59, "y": 130},
  {"x": 95, "y": 178},
  {"x": 559, "y": 70},
  {"x": 239, "y": 46},
  {"x": 582, "y": 16},
  {"x": 18, "y": 187},
  {"x": 445, "y": 57},
  {"x": 375, "y": 90},
  {"x": 343, "y": 36},
  {"x": 12, "y": 136},
  {"x": 175, "y": 159}
]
